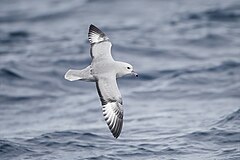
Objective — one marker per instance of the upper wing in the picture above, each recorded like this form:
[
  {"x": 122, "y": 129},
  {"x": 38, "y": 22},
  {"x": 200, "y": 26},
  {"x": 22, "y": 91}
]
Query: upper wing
[
  {"x": 111, "y": 104},
  {"x": 100, "y": 44}
]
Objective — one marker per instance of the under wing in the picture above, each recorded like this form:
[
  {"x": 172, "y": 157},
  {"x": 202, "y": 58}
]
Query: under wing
[
  {"x": 111, "y": 104},
  {"x": 100, "y": 44}
]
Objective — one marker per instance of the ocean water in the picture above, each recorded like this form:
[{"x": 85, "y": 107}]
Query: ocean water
[{"x": 185, "y": 104}]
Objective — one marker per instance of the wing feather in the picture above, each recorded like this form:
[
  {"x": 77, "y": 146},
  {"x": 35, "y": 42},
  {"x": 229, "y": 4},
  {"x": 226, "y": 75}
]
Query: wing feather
[
  {"x": 114, "y": 122},
  {"x": 100, "y": 44},
  {"x": 95, "y": 35},
  {"x": 111, "y": 100}
]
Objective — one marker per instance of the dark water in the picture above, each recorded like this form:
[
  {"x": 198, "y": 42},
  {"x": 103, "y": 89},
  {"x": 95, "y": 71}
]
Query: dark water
[{"x": 184, "y": 105}]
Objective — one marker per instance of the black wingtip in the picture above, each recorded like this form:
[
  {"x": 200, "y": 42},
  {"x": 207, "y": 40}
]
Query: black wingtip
[
  {"x": 92, "y": 28},
  {"x": 95, "y": 35},
  {"x": 96, "y": 30},
  {"x": 115, "y": 135}
]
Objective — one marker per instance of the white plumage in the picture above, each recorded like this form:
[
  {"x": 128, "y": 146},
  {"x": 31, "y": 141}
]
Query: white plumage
[{"x": 104, "y": 71}]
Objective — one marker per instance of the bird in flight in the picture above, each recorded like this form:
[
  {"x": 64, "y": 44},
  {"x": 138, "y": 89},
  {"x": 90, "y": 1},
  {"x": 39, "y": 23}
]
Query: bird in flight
[{"x": 104, "y": 71}]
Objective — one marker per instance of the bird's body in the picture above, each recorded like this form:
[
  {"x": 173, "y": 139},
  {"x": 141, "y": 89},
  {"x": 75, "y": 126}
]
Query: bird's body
[{"x": 104, "y": 71}]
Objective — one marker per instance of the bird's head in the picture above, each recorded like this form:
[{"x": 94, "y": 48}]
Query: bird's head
[{"x": 125, "y": 69}]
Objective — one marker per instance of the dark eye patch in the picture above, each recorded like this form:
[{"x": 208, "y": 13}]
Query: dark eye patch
[{"x": 128, "y": 67}]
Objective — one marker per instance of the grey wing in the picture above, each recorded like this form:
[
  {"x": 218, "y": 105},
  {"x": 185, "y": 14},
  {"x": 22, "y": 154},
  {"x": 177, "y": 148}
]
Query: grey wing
[
  {"x": 100, "y": 44},
  {"x": 111, "y": 104}
]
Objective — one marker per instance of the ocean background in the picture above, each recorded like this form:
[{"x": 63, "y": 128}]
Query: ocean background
[{"x": 185, "y": 105}]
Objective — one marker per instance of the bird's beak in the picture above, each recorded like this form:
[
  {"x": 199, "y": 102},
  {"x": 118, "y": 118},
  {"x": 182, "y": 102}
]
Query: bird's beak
[{"x": 135, "y": 74}]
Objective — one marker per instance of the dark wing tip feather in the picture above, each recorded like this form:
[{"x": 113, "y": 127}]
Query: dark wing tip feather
[
  {"x": 95, "y": 35},
  {"x": 93, "y": 28},
  {"x": 113, "y": 115}
]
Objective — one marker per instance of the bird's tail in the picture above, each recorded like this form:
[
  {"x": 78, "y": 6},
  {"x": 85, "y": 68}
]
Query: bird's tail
[
  {"x": 73, "y": 75},
  {"x": 84, "y": 74}
]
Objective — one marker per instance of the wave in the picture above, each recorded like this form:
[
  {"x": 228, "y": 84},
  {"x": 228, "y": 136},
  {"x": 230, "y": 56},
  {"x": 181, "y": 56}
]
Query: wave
[
  {"x": 10, "y": 74},
  {"x": 22, "y": 34},
  {"x": 48, "y": 143},
  {"x": 209, "y": 40},
  {"x": 39, "y": 11},
  {"x": 224, "y": 66},
  {"x": 14, "y": 36},
  {"x": 229, "y": 14},
  {"x": 230, "y": 121},
  {"x": 224, "y": 133},
  {"x": 13, "y": 98},
  {"x": 205, "y": 28},
  {"x": 216, "y": 135},
  {"x": 62, "y": 138},
  {"x": 9, "y": 149},
  {"x": 189, "y": 82}
]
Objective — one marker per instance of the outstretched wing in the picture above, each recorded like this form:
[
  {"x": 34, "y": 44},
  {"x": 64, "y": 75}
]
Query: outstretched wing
[
  {"x": 111, "y": 104},
  {"x": 100, "y": 44}
]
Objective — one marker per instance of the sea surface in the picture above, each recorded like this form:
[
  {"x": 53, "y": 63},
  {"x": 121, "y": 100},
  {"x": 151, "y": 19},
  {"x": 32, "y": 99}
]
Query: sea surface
[{"x": 185, "y": 105}]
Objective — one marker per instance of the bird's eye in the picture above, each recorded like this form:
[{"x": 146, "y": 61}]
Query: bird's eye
[{"x": 128, "y": 67}]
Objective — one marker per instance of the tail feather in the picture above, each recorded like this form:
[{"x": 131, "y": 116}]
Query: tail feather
[
  {"x": 84, "y": 74},
  {"x": 72, "y": 75}
]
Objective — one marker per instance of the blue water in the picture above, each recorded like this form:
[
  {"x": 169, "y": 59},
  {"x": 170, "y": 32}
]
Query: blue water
[{"x": 184, "y": 105}]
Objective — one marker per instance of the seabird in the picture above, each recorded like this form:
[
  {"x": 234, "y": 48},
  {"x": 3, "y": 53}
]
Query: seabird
[{"x": 104, "y": 71}]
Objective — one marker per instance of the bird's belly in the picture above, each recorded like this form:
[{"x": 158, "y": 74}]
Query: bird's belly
[{"x": 102, "y": 69}]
